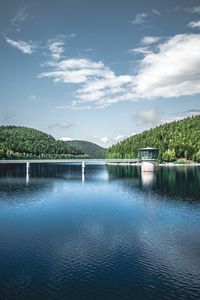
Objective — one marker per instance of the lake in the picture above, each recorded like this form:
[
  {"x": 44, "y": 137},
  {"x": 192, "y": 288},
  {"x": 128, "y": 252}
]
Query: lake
[{"x": 114, "y": 234}]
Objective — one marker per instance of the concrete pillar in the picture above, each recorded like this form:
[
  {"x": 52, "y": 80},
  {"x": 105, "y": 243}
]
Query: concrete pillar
[{"x": 149, "y": 165}]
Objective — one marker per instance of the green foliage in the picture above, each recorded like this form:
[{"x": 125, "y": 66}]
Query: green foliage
[
  {"x": 182, "y": 161},
  {"x": 21, "y": 142},
  {"x": 197, "y": 156},
  {"x": 91, "y": 149},
  {"x": 178, "y": 139},
  {"x": 169, "y": 155}
]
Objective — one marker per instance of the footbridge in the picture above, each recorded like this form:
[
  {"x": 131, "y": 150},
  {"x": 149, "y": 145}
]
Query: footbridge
[{"x": 82, "y": 162}]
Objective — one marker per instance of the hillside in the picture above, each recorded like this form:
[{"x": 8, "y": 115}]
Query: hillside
[
  {"x": 178, "y": 139},
  {"x": 91, "y": 149},
  {"x": 22, "y": 142}
]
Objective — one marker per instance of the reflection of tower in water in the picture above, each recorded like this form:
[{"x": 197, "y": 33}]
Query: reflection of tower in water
[{"x": 148, "y": 179}]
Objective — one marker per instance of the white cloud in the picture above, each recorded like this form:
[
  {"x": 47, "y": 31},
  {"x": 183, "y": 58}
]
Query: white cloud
[
  {"x": 148, "y": 40},
  {"x": 75, "y": 105},
  {"x": 156, "y": 12},
  {"x": 104, "y": 140},
  {"x": 56, "y": 47},
  {"x": 66, "y": 139},
  {"x": 171, "y": 70},
  {"x": 25, "y": 47},
  {"x": 120, "y": 137},
  {"x": 181, "y": 115},
  {"x": 61, "y": 125},
  {"x": 150, "y": 116},
  {"x": 194, "y": 24},
  {"x": 140, "y": 50},
  {"x": 71, "y": 35},
  {"x": 34, "y": 98},
  {"x": 195, "y": 9},
  {"x": 77, "y": 71},
  {"x": 139, "y": 18}
]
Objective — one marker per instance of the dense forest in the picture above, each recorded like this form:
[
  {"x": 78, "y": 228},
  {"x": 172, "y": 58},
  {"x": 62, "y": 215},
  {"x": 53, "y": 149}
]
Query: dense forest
[
  {"x": 22, "y": 142},
  {"x": 91, "y": 149},
  {"x": 175, "y": 140}
]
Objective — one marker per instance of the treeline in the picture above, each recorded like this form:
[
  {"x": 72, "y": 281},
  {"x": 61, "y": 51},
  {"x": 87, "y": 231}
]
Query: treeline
[
  {"x": 18, "y": 142},
  {"x": 93, "y": 150},
  {"x": 175, "y": 140}
]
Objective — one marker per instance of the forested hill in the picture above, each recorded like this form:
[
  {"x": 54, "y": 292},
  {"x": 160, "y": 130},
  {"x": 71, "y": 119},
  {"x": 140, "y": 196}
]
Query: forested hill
[
  {"x": 178, "y": 139},
  {"x": 91, "y": 149},
  {"x": 22, "y": 142}
]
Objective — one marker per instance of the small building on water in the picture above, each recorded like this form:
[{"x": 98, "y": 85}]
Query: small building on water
[{"x": 149, "y": 158}]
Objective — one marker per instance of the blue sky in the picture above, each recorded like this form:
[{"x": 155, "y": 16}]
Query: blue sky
[{"x": 99, "y": 70}]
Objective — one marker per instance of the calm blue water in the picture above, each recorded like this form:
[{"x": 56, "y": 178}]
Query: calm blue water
[{"x": 117, "y": 234}]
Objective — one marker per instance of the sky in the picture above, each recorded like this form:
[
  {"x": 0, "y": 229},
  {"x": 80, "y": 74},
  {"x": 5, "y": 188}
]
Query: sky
[{"x": 99, "y": 71}]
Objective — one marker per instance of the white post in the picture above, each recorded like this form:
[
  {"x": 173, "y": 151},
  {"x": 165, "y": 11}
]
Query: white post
[
  {"x": 83, "y": 172},
  {"x": 83, "y": 166},
  {"x": 27, "y": 172}
]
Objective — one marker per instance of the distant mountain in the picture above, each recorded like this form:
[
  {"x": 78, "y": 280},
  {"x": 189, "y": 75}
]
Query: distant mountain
[
  {"x": 91, "y": 149},
  {"x": 175, "y": 140},
  {"x": 23, "y": 142}
]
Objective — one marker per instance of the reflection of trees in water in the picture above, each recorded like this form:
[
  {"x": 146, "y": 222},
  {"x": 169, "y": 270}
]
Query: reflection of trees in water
[
  {"x": 12, "y": 170},
  {"x": 39, "y": 170},
  {"x": 180, "y": 182},
  {"x": 116, "y": 171},
  {"x": 183, "y": 181},
  {"x": 13, "y": 181}
]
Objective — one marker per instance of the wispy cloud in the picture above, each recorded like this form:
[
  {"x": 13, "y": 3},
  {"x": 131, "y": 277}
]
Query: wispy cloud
[
  {"x": 7, "y": 116},
  {"x": 120, "y": 137},
  {"x": 61, "y": 125},
  {"x": 140, "y": 50},
  {"x": 56, "y": 47},
  {"x": 104, "y": 140},
  {"x": 76, "y": 71},
  {"x": 25, "y": 47},
  {"x": 139, "y": 18},
  {"x": 33, "y": 98},
  {"x": 75, "y": 105},
  {"x": 195, "y": 9},
  {"x": 20, "y": 17},
  {"x": 156, "y": 12},
  {"x": 148, "y": 40},
  {"x": 66, "y": 139},
  {"x": 150, "y": 116},
  {"x": 193, "y": 111},
  {"x": 194, "y": 24},
  {"x": 180, "y": 115}
]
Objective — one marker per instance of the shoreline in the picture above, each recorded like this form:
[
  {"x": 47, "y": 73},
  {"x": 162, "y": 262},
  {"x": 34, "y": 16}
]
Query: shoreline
[{"x": 160, "y": 165}]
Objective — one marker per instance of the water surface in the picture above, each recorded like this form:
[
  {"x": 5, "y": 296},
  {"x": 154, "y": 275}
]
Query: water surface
[{"x": 115, "y": 234}]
